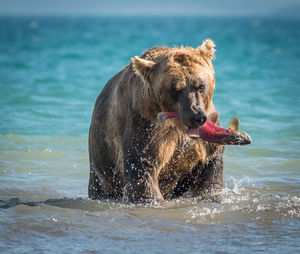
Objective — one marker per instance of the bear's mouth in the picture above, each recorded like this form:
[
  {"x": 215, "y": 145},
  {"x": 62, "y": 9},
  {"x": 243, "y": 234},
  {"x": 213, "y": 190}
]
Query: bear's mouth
[{"x": 210, "y": 131}]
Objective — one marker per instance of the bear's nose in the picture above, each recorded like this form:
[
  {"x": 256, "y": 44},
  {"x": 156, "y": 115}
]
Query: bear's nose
[{"x": 200, "y": 118}]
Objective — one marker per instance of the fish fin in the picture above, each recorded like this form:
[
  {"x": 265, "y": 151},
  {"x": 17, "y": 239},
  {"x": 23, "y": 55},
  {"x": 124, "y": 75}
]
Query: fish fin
[
  {"x": 213, "y": 117},
  {"x": 234, "y": 124}
]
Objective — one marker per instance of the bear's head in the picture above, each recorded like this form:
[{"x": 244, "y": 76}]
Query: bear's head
[{"x": 181, "y": 80}]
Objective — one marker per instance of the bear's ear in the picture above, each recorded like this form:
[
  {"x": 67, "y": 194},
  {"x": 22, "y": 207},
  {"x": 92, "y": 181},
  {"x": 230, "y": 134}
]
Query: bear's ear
[
  {"x": 207, "y": 49},
  {"x": 142, "y": 67}
]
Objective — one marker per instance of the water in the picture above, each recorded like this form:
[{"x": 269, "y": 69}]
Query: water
[{"x": 52, "y": 70}]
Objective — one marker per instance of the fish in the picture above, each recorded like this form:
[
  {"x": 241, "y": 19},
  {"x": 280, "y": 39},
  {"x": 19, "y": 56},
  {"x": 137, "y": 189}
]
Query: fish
[{"x": 212, "y": 132}]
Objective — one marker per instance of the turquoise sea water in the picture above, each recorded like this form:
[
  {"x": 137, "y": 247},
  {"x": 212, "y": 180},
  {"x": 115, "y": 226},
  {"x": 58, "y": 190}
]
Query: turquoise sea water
[{"x": 51, "y": 71}]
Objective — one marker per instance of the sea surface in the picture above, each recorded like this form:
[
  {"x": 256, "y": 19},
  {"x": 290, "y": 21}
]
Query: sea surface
[{"x": 51, "y": 72}]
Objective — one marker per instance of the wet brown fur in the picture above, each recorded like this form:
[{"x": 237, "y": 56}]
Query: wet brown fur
[{"x": 135, "y": 158}]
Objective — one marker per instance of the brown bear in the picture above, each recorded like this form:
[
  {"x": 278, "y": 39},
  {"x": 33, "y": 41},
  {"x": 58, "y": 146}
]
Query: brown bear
[{"x": 135, "y": 158}]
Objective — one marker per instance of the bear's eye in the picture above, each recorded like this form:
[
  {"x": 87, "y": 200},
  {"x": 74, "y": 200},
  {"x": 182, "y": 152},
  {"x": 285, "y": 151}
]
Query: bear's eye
[
  {"x": 201, "y": 88},
  {"x": 174, "y": 89}
]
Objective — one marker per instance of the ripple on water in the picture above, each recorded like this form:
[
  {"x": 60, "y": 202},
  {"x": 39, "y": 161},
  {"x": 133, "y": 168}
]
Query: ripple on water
[{"x": 241, "y": 202}]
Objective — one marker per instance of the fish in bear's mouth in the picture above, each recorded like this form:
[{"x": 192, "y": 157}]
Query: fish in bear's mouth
[{"x": 213, "y": 133}]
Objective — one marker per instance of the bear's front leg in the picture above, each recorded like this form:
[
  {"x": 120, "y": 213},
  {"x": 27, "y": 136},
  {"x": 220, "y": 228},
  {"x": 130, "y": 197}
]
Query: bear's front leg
[
  {"x": 141, "y": 185},
  {"x": 141, "y": 169},
  {"x": 141, "y": 180},
  {"x": 207, "y": 180}
]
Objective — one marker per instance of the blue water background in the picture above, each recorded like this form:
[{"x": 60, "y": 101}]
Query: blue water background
[{"x": 52, "y": 69}]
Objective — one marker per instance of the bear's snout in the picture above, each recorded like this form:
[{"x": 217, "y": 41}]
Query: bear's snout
[{"x": 198, "y": 119}]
